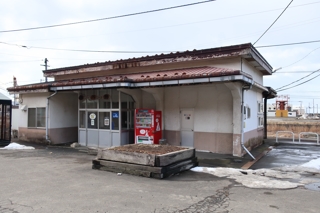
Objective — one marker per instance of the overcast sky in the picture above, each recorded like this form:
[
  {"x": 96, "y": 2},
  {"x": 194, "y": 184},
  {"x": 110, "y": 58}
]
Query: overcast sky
[{"x": 208, "y": 25}]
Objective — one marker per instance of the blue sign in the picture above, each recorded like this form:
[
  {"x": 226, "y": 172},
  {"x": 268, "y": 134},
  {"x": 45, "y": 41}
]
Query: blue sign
[{"x": 115, "y": 114}]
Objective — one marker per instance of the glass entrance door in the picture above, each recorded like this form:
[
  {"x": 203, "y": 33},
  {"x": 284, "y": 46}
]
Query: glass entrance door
[{"x": 5, "y": 122}]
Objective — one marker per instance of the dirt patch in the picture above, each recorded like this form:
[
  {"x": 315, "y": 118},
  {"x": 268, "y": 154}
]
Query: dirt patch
[{"x": 148, "y": 148}]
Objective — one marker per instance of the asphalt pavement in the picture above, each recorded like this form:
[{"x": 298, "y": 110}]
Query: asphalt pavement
[{"x": 60, "y": 179}]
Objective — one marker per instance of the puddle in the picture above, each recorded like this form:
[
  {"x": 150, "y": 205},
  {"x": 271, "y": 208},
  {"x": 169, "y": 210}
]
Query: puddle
[{"x": 313, "y": 186}]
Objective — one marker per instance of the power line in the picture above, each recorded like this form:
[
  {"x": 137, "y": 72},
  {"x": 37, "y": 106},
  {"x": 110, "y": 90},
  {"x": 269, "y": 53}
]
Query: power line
[
  {"x": 300, "y": 83},
  {"x": 298, "y": 80},
  {"x": 293, "y": 72},
  {"x": 279, "y": 45},
  {"x": 91, "y": 51},
  {"x": 108, "y": 18},
  {"x": 302, "y": 58},
  {"x": 273, "y": 23},
  {"x": 182, "y": 24},
  {"x": 18, "y": 61}
]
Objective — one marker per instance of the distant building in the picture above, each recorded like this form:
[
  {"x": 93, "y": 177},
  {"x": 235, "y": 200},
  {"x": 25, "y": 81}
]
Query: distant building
[{"x": 299, "y": 109}]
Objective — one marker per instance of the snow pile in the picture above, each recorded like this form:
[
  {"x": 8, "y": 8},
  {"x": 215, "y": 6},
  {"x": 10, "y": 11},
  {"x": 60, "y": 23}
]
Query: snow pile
[
  {"x": 277, "y": 178},
  {"x": 263, "y": 178},
  {"x": 313, "y": 164},
  {"x": 12, "y": 146}
]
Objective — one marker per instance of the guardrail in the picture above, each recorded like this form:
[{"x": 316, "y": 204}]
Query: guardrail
[
  {"x": 313, "y": 133},
  {"x": 287, "y": 132}
]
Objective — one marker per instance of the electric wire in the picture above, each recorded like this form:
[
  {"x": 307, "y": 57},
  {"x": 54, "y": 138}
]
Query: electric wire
[
  {"x": 287, "y": 44},
  {"x": 182, "y": 24},
  {"x": 18, "y": 61},
  {"x": 298, "y": 80},
  {"x": 108, "y": 18},
  {"x": 293, "y": 72},
  {"x": 90, "y": 51},
  {"x": 302, "y": 58},
  {"x": 273, "y": 23},
  {"x": 298, "y": 84}
]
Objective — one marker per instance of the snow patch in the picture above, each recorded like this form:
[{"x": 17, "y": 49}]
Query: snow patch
[
  {"x": 17, "y": 146},
  {"x": 261, "y": 178},
  {"x": 286, "y": 177},
  {"x": 313, "y": 164}
]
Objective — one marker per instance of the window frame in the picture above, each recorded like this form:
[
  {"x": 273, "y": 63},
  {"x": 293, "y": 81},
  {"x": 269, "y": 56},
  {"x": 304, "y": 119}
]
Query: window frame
[
  {"x": 260, "y": 116},
  {"x": 36, "y": 117}
]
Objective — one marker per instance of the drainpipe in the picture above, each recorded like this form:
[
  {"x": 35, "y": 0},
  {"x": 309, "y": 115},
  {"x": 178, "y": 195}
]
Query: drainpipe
[
  {"x": 244, "y": 87},
  {"x": 47, "y": 115}
]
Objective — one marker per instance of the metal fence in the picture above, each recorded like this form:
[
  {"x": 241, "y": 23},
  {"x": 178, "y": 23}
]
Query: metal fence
[{"x": 309, "y": 133}]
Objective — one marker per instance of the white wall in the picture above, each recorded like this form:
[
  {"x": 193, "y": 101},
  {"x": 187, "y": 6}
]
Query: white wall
[
  {"x": 271, "y": 113},
  {"x": 15, "y": 118},
  {"x": 63, "y": 110},
  {"x": 256, "y": 74},
  {"x": 31, "y": 101},
  {"x": 212, "y": 104},
  {"x": 251, "y": 99}
]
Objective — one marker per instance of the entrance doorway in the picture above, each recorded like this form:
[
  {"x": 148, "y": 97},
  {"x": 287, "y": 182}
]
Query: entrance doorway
[
  {"x": 105, "y": 118},
  {"x": 187, "y": 119},
  {"x": 5, "y": 122}
]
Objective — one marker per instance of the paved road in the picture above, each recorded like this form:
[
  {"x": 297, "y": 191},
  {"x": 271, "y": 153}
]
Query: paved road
[
  {"x": 287, "y": 154},
  {"x": 61, "y": 180}
]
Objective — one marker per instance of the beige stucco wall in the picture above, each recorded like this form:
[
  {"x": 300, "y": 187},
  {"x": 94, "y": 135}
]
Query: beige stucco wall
[
  {"x": 62, "y": 119},
  {"x": 212, "y": 105},
  {"x": 63, "y": 110}
]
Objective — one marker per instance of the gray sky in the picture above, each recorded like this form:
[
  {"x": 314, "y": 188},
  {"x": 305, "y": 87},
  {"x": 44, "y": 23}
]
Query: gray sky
[{"x": 214, "y": 24}]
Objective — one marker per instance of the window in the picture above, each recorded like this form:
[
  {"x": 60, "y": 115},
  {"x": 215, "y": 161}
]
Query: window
[
  {"x": 260, "y": 114},
  {"x": 115, "y": 120},
  {"x": 260, "y": 122},
  {"x": 104, "y": 120},
  {"x": 248, "y": 112},
  {"x": 260, "y": 107},
  {"x": 37, "y": 117}
]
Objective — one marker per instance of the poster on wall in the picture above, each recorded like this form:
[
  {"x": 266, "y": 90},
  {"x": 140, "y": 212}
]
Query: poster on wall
[{"x": 115, "y": 114}]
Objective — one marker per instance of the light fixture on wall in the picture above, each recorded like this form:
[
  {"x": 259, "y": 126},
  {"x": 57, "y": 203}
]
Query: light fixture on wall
[{"x": 24, "y": 108}]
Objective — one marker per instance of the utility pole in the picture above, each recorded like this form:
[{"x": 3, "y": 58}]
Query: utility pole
[
  {"x": 300, "y": 107},
  {"x": 313, "y": 107},
  {"x": 46, "y": 67}
]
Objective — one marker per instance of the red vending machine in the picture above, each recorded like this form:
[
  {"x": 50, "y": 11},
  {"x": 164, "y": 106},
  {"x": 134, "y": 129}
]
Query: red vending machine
[{"x": 147, "y": 125}]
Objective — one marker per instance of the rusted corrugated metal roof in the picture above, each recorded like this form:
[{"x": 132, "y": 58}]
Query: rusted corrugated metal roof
[
  {"x": 244, "y": 50},
  {"x": 187, "y": 73}
]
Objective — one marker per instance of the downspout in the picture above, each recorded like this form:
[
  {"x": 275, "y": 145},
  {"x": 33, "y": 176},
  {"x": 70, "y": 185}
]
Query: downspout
[
  {"x": 242, "y": 120},
  {"x": 265, "y": 116},
  {"x": 47, "y": 115},
  {"x": 244, "y": 87}
]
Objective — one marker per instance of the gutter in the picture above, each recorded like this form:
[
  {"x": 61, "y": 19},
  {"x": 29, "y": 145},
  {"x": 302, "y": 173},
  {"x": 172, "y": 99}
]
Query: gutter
[
  {"x": 239, "y": 77},
  {"x": 47, "y": 115}
]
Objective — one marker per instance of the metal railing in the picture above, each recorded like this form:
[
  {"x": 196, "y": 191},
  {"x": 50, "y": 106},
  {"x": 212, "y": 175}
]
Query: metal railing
[
  {"x": 310, "y": 133},
  {"x": 287, "y": 132},
  {"x": 313, "y": 133}
]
